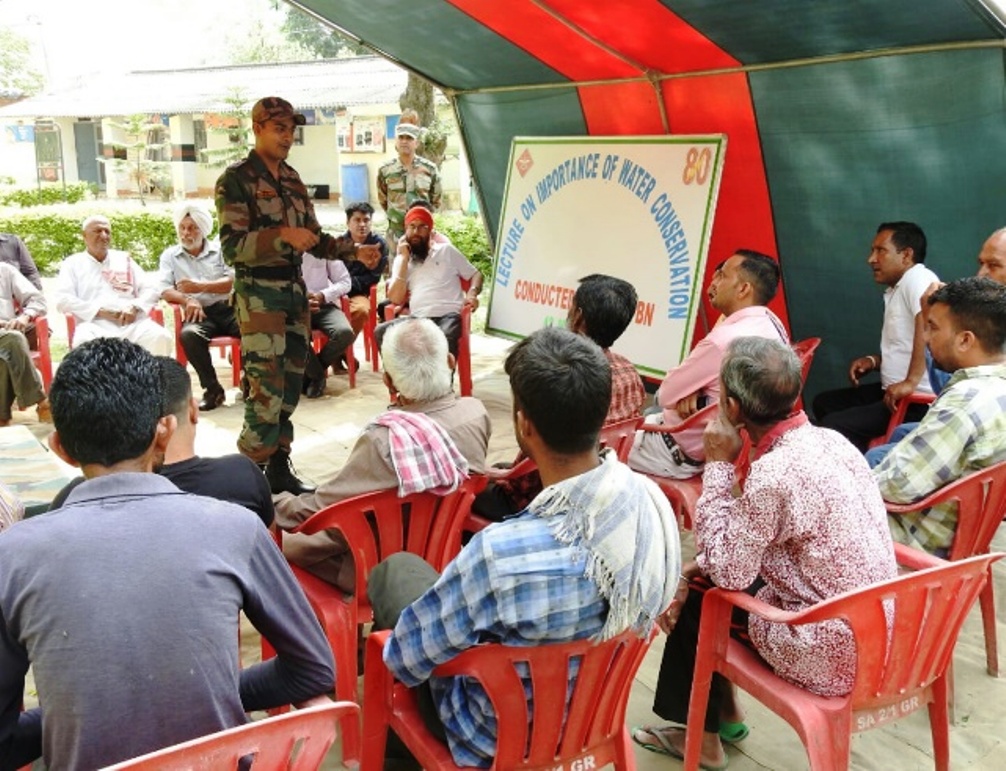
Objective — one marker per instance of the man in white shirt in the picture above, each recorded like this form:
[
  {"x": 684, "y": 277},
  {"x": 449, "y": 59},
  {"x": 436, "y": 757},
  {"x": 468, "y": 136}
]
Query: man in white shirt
[
  {"x": 327, "y": 281},
  {"x": 861, "y": 413},
  {"x": 108, "y": 294},
  {"x": 429, "y": 272},
  {"x": 193, "y": 274},
  {"x": 20, "y": 304}
]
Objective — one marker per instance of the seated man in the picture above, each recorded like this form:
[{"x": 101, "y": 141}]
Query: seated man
[
  {"x": 595, "y": 554},
  {"x": 602, "y": 309},
  {"x": 965, "y": 428},
  {"x": 15, "y": 253},
  {"x": 11, "y": 507},
  {"x": 740, "y": 290},
  {"x": 125, "y": 601},
  {"x": 808, "y": 525},
  {"x": 991, "y": 264},
  {"x": 429, "y": 273},
  {"x": 862, "y": 412},
  {"x": 108, "y": 294},
  {"x": 326, "y": 281},
  {"x": 417, "y": 369},
  {"x": 193, "y": 274},
  {"x": 358, "y": 224},
  {"x": 20, "y": 304},
  {"x": 235, "y": 478}
]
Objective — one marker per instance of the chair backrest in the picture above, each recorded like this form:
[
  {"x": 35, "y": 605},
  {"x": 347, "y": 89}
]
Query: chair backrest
[
  {"x": 619, "y": 435},
  {"x": 295, "y": 741},
  {"x": 546, "y": 734},
  {"x": 804, "y": 349},
  {"x": 903, "y": 657},
  {"x": 378, "y": 524},
  {"x": 980, "y": 498}
]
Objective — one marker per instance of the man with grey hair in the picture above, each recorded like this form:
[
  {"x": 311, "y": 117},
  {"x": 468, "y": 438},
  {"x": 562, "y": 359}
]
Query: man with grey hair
[
  {"x": 193, "y": 275},
  {"x": 108, "y": 294},
  {"x": 808, "y": 524},
  {"x": 418, "y": 371}
]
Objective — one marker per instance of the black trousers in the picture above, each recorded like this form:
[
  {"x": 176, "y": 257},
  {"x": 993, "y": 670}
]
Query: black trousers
[
  {"x": 677, "y": 667},
  {"x": 859, "y": 414},
  {"x": 219, "y": 322}
]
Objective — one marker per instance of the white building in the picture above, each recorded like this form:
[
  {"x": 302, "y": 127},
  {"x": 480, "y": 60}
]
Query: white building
[{"x": 351, "y": 107}]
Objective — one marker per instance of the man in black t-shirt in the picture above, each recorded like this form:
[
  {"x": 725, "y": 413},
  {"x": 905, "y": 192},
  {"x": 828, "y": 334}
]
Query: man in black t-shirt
[{"x": 233, "y": 478}]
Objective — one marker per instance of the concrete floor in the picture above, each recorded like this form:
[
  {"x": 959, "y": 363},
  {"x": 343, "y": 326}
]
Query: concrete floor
[{"x": 326, "y": 429}]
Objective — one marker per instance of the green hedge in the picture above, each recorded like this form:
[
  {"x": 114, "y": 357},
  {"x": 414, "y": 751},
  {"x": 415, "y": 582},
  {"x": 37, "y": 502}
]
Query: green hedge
[
  {"x": 46, "y": 195},
  {"x": 468, "y": 234},
  {"x": 51, "y": 236},
  {"x": 52, "y": 233}
]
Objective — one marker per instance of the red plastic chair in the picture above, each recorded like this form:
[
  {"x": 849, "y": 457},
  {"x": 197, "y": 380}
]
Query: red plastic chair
[
  {"x": 156, "y": 314},
  {"x": 376, "y": 525},
  {"x": 369, "y": 339},
  {"x": 319, "y": 339},
  {"x": 898, "y": 416},
  {"x": 618, "y": 436},
  {"x": 392, "y": 311},
  {"x": 296, "y": 741},
  {"x": 897, "y": 673},
  {"x": 981, "y": 506},
  {"x": 590, "y": 734},
  {"x": 225, "y": 343},
  {"x": 805, "y": 349},
  {"x": 683, "y": 494},
  {"x": 41, "y": 354}
]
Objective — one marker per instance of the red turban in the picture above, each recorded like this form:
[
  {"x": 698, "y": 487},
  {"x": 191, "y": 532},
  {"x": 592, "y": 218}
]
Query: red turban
[{"x": 419, "y": 213}]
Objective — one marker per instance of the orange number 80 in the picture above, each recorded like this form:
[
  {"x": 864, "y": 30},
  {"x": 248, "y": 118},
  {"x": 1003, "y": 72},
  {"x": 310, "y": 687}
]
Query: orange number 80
[{"x": 697, "y": 166}]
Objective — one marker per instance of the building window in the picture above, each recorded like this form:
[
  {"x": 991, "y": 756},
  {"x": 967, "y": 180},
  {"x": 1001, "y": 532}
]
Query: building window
[
  {"x": 298, "y": 135},
  {"x": 158, "y": 144},
  {"x": 199, "y": 141}
]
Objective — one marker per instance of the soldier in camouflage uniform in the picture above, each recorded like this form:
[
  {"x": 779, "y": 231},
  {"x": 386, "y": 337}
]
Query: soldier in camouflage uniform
[
  {"x": 267, "y": 222},
  {"x": 406, "y": 178}
]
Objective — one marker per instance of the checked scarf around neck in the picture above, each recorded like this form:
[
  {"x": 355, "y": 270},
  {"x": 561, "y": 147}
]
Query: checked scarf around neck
[
  {"x": 423, "y": 454},
  {"x": 626, "y": 527}
]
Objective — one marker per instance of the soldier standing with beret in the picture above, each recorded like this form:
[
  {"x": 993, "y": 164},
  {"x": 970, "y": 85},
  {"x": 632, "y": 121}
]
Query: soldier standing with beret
[{"x": 267, "y": 222}]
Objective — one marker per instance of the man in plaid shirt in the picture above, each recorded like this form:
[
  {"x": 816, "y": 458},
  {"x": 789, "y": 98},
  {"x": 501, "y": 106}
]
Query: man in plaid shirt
[
  {"x": 965, "y": 428},
  {"x": 595, "y": 553}
]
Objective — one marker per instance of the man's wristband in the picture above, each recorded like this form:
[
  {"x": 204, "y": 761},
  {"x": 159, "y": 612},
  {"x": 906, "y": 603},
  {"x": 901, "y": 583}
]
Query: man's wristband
[{"x": 873, "y": 361}]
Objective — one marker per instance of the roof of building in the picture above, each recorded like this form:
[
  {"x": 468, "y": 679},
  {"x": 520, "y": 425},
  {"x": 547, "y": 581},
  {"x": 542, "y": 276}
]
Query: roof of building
[{"x": 353, "y": 82}]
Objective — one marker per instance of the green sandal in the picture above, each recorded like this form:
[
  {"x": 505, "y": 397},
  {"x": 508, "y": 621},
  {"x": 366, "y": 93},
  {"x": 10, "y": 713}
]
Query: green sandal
[{"x": 731, "y": 733}]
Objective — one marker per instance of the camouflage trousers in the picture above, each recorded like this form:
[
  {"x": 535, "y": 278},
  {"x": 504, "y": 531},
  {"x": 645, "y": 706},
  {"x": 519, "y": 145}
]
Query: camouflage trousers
[{"x": 275, "y": 324}]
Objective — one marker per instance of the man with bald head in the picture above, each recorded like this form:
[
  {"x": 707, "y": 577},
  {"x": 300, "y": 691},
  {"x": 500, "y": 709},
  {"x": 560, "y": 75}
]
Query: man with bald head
[
  {"x": 108, "y": 294},
  {"x": 193, "y": 274}
]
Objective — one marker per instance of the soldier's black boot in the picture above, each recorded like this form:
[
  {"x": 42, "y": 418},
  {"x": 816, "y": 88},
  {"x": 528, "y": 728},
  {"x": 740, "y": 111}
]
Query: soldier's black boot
[{"x": 279, "y": 472}]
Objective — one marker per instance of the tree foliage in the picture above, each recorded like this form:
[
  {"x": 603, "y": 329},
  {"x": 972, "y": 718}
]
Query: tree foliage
[
  {"x": 139, "y": 156},
  {"x": 237, "y": 132},
  {"x": 323, "y": 41},
  {"x": 17, "y": 75}
]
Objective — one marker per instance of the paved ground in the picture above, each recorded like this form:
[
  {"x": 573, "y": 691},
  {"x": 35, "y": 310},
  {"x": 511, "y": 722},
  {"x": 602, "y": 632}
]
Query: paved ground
[{"x": 326, "y": 429}]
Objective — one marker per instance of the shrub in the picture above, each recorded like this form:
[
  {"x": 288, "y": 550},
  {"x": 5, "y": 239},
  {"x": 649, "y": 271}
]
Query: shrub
[
  {"x": 43, "y": 196},
  {"x": 468, "y": 234},
  {"x": 51, "y": 235}
]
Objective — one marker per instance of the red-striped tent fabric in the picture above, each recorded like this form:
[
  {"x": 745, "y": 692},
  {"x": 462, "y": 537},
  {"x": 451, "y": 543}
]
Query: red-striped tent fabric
[{"x": 839, "y": 115}]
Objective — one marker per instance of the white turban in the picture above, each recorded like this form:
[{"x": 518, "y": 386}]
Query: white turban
[{"x": 199, "y": 213}]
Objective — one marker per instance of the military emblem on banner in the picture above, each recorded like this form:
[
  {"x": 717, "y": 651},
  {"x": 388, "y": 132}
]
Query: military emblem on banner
[{"x": 525, "y": 162}]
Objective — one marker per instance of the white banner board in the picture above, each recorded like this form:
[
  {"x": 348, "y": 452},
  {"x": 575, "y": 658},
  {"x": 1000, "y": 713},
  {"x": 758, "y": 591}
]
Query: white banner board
[{"x": 639, "y": 208}]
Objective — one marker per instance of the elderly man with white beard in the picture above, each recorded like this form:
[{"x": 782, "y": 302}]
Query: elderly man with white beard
[{"x": 193, "y": 274}]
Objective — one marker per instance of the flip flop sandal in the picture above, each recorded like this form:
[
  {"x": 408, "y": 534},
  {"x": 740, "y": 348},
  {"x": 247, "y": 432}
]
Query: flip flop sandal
[
  {"x": 731, "y": 733},
  {"x": 664, "y": 747}
]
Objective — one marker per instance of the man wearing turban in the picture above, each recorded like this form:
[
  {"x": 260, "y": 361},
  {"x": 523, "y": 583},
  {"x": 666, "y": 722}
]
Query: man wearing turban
[{"x": 193, "y": 275}]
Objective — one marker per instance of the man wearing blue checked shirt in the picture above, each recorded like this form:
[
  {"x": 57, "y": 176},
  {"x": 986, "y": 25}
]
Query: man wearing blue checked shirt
[{"x": 594, "y": 554}]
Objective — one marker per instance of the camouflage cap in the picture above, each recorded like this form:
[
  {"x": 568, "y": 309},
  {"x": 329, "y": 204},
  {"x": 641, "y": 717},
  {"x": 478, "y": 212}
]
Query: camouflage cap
[{"x": 272, "y": 108}]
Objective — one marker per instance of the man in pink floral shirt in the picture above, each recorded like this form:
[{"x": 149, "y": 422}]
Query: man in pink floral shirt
[{"x": 809, "y": 524}]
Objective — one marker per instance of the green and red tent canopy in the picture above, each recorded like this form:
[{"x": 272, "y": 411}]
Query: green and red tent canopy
[{"x": 840, "y": 114}]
